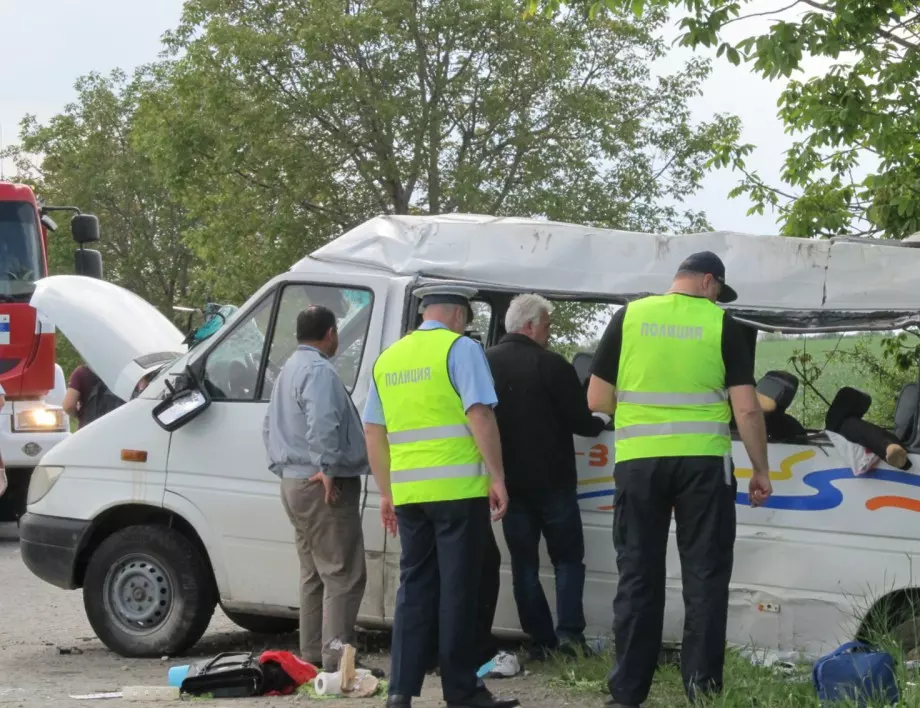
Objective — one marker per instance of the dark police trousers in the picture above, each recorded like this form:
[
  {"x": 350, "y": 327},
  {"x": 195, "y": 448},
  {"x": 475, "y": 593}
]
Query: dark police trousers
[
  {"x": 701, "y": 491},
  {"x": 484, "y": 645},
  {"x": 439, "y": 573}
]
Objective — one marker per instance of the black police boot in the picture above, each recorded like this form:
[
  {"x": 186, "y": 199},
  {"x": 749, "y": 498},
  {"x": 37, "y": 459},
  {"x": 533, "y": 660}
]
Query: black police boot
[
  {"x": 396, "y": 701},
  {"x": 484, "y": 699}
]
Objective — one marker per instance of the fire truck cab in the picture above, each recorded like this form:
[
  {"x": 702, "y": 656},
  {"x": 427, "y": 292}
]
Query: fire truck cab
[{"x": 32, "y": 420}]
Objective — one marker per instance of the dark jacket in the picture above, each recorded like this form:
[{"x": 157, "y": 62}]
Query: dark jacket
[{"x": 541, "y": 404}]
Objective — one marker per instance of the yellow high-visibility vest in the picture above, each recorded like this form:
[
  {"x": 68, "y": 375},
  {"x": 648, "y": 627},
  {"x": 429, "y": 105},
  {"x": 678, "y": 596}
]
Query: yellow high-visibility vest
[
  {"x": 433, "y": 456},
  {"x": 671, "y": 397}
]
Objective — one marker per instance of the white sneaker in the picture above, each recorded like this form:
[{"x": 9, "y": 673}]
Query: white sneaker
[{"x": 502, "y": 665}]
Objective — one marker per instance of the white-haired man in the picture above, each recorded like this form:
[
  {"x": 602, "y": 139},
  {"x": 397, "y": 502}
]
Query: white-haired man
[{"x": 541, "y": 405}]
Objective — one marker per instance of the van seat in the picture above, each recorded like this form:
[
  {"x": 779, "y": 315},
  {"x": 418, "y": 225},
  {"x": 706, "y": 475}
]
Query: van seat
[
  {"x": 582, "y": 363},
  {"x": 905, "y": 412},
  {"x": 776, "y": 391},
  {"x": 848, "y": 403}
]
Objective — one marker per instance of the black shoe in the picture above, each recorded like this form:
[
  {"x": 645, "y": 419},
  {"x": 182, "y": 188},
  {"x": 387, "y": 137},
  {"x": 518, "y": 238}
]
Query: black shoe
[
  {"x": 395, "y": 701},
  {"x": 484, "y": 699}
]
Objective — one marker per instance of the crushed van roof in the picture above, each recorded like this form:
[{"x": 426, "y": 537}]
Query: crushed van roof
[{"x": 769, "y": 272}]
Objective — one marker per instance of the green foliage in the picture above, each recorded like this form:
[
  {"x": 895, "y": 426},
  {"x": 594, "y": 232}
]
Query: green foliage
[
  {"x": 274, "y": 126},
  {"x": 880, "y": 365},
  {"x": 863, "y": 110},
  {"x": 88, "y": 159},
  {"x": 281, "y": 124}
]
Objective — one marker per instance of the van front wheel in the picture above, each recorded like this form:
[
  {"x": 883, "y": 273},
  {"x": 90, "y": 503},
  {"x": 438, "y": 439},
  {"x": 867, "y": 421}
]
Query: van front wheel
[
  {"x": 263, "y": 624},
  {"x": 148, "y": 592}
]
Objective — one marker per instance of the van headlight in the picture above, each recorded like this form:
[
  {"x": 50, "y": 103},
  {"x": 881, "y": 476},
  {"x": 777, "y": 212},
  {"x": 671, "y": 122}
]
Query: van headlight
[
  {"x": 43, "y": 478},
  {"x": 39, "y": 420}
]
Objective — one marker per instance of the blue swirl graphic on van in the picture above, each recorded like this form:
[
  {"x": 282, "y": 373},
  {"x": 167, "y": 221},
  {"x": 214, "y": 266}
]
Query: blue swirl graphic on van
[{"x": 826, "y": 495}]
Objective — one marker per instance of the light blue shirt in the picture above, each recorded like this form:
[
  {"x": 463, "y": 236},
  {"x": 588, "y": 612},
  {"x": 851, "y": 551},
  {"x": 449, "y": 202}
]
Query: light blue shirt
[
  {"x": 311, "y": 425},
  {"x": 469, "y": 372}
]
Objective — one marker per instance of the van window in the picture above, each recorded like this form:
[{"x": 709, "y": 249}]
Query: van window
[
  {"x": 231, "y": 371},
  {"x": 352, "y": 308}
]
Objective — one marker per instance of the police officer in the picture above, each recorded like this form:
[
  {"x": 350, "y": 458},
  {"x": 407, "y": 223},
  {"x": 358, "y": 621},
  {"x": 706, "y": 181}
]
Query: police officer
[
  {"x": 435, "y": 453},
  {"x": 667, "y": 367}
]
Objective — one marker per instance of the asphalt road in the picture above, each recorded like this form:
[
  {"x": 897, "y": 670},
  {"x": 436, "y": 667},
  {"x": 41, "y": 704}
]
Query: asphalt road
[{"x": 48, "y": 652}]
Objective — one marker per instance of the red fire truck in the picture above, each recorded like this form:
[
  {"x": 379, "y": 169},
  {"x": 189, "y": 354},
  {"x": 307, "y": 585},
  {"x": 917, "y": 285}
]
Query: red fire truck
[{"x": 31, "y": 421}]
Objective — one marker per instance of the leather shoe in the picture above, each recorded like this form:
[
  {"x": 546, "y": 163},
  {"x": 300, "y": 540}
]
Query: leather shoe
[
  {"x": 484, "y": 699},
  {"x": 396, "y": 701}
]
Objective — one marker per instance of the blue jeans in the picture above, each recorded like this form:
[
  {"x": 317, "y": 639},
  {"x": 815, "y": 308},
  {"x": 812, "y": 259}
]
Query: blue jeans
[{"x": 554, "y": 515}]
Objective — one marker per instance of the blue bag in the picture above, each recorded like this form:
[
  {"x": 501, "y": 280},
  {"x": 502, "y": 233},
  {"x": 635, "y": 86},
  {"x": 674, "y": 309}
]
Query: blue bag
[{"x": 855, "y": 672}]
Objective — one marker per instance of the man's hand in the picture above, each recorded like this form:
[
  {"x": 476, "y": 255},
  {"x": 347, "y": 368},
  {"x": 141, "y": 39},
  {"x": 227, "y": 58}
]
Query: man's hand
[
  {"x": 498, "y": 499},
  {"x": 2, "y": 401},
  {"x": 332, "y": 494},
  {"x": 388, "y": 515},
  {"x": 760, "y": 488}
]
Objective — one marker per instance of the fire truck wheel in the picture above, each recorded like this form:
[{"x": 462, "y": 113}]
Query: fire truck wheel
[
  {"x": 263, "y": 624},
  {"x": 148, "y": 592}
]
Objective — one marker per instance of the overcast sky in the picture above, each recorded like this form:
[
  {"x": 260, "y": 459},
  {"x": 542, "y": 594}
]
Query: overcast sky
[{"x": 50, "y": 43}]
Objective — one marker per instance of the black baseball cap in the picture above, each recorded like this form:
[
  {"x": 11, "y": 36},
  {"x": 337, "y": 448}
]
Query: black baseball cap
[{"x": 708, "y": 263}]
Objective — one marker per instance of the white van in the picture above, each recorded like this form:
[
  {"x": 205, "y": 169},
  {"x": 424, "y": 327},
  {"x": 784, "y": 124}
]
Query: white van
[{"x": 165, "y": 507}]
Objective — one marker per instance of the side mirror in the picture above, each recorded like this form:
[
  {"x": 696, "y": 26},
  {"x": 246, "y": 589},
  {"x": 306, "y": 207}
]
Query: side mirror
[
  {"x": 180, "y": 408},
  {"x": 48, "y": 223},
  {"x": 88, "y": 262},
  {"x": 85, "y": 228}
]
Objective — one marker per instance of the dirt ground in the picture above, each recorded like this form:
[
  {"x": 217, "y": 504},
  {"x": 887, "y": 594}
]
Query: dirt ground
[{"x": 48, "y": 652}]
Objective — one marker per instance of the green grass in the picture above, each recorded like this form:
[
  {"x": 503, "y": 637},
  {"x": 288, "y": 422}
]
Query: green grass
[{"x": 746, "y": 686}]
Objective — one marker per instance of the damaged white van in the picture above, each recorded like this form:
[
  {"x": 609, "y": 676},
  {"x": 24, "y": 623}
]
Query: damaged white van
[{"x": 164, "y": 508}]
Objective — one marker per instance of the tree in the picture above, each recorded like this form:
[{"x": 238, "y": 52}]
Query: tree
[
  {"x": 863, "y": 112},
  {"x": 86, "y": 156},
  {"x": 280, "y": 124}
]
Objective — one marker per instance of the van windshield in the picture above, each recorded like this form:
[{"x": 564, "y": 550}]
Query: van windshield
[{"x": 20, "y": 250}]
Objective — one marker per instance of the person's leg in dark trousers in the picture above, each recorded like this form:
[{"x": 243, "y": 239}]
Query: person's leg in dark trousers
[
  {"x": 565, "y": 542},
  {"x": 705, "y": 490},
  {"x": 642, "y": 517},
  {"x": 489, "y": 584},
  {"x": 416, "y": 600},
  {"x": 460, "y": 529},
  {"x": 522, "y": 534}
]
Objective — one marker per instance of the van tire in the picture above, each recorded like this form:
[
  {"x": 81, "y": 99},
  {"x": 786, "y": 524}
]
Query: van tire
[
  {"x": 263, "y": 624},
  {"x": 907, "y": 636},
  {"x": 128, "y": 571}
]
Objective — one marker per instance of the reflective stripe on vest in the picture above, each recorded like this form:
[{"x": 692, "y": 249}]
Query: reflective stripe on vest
[
  {"x": 433, "y": 455},
  {"x": 670, "y": 389},
  {"x": 649, "y": 398}
]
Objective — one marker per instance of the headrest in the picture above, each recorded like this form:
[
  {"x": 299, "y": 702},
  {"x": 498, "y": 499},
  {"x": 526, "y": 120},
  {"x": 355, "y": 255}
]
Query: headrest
[
  {"x": 776, "y": 391},
  {"x": 905, "y": 412},
  {"x": 582, "y": 363},
  {"x": 848, "y": 403}
]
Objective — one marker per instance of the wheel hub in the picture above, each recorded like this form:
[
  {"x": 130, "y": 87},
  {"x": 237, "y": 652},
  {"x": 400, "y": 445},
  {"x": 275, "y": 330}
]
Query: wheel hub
[{"x": 140, "y": 592}]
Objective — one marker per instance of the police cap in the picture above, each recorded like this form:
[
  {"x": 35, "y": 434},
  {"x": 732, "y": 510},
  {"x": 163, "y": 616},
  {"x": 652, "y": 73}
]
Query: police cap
[
  {"x": 708, "y": 263},
  {"x": 446, "y": 295}
]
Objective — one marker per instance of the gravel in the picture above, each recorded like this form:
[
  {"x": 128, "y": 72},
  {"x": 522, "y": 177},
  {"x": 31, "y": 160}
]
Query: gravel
[{"x": 48, "y": 652}]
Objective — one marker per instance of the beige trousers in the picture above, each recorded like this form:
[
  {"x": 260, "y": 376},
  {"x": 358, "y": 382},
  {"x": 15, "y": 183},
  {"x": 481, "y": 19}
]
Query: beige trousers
[{"x": 330, "y": 544}]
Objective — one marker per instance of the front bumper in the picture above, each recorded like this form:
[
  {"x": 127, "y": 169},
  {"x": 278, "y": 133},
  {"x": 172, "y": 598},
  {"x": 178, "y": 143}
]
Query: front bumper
[
  {"x": 49, "y": 546},
  {"x": 24, "y": 449}
]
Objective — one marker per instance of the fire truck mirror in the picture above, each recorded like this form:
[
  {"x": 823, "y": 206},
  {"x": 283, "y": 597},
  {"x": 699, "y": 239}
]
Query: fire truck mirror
[
  {"x": 88, "y": 262},
  {"x": 85, "y": 228}
]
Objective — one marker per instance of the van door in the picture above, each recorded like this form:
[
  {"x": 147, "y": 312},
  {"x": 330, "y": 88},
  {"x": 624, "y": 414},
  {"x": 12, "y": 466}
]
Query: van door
[{"x": 217, "y": 462}]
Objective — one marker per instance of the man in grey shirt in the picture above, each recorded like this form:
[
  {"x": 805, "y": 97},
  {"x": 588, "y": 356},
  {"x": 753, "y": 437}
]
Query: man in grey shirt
[{"x": 315, "y": 443}]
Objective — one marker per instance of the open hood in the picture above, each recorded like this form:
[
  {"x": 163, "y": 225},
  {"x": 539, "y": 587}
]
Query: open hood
[{"x": 119, "y": 335}]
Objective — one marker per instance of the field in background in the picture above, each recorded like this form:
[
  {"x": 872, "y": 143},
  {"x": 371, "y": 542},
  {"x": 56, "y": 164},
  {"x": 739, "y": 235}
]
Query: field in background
[{"x": 840, "y": 370}]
